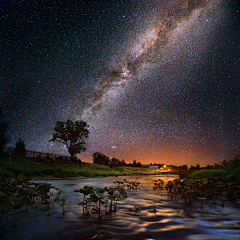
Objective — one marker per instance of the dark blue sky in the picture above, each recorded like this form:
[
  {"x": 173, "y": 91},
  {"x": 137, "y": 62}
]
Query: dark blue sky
[{"x": 157, "y": 81}]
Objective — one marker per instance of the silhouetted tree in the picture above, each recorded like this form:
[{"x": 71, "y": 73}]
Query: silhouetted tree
[
  {"x": 184, "y": 167},
  {"x": 237, "y": 158},
  {"x": 100, "y": 158},
  {"x": 138, "y": 164},
  {"x": 216, "y": 165},
  {"x": 224, "y": 162},
  {"x": 114, "y": 162},
  {"x": 48, "y": 156},
  {"x": 123, "y": 162},
  {"x": 20, "y": 147},
  {"x": 72, "y": 134},
  {"x": 4, "y": 139}
]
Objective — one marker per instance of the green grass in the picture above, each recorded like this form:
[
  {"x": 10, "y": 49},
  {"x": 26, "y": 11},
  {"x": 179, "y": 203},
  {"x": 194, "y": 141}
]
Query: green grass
[
  {"x": 31, "y": 167},
  {"x": 208, "y": 173},
  {"x": 229, "y": 171},
  {"x": 11, "y": 164},
  {"x": 232, "y": 171}
]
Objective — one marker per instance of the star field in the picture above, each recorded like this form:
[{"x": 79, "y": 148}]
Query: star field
[{"x": 157, "y": 81}]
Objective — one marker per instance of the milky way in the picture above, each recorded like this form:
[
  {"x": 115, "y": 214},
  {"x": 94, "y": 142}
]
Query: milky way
[
  {"x": 157, "y": 81},
  {"x": 166, "y": 26}
]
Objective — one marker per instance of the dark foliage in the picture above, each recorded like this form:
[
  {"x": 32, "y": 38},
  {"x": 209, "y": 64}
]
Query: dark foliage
[
  {"x": 20, "y": 147},
  {"x": 72, "y": 134},
  {"x": 4, "y": 139},
  {"x": 100, "y": 158}
]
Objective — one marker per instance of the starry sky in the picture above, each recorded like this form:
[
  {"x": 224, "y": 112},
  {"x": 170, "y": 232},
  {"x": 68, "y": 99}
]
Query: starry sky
[{"x": 157, "y": 80}]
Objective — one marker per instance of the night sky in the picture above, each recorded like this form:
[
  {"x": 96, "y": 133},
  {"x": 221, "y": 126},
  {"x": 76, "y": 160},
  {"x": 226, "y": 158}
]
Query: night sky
[{"x": 157, "y": 81}]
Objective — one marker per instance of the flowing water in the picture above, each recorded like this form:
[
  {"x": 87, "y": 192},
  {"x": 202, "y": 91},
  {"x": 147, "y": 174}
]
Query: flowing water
[{"x": 158, "y": 218}]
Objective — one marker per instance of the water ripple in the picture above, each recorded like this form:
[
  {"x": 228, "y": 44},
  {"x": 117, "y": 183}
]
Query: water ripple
[{"x": 157, "y": 218}]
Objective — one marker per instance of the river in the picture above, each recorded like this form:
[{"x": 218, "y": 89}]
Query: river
[{"x": 158, "y": 218}]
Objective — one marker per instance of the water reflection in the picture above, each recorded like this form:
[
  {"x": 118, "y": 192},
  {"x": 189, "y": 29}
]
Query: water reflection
[{"x": 158, "y": 218}]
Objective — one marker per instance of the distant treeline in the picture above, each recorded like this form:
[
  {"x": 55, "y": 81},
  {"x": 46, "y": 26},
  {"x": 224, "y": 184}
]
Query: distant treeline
[
  {"x": 98, "y": 158},
  {"x": 42, "y": 155}
]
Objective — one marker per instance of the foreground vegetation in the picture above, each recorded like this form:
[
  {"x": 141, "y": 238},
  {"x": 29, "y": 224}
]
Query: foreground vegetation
[
  {"x": 201, "y": 190},
  {"x": 215, "y": 185},
  {"x": 18, "y": 191}
]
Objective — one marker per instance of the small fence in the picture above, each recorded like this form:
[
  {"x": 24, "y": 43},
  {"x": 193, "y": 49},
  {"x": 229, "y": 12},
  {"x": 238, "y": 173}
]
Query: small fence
[{"x": 43, "y": 155}]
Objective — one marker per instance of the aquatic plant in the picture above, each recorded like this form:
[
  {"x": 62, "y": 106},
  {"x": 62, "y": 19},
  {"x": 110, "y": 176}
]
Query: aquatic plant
[
  {"x": 43, "y": 190},
  {"x": 212, "y": 188},
  {"x": 58, "y": 193},
  {"x": 99, "y": 197},
  {"x": 130, "y": 186},
  {"x": 62, "y": 204},
  {"x": 8, "y": 208},
  {"x": 33, "y": 195},
  {"x": 86, "y": 190},
  {"x": 84, "y": 205},
  {"x": 17, "y": 190},
  {"x": 159, "y": 184},
  {"x": 48, "y": 202},
  {"x": 27, "y": 190},
  {"x": 36, "y": 207},
  {"x": 202, "y": 199},
  {"x": 8, "y": 202},
  {"x": 135, "y": 209},
  {"x": 16, "y": 203},
  {"x": 112, "y": 196},
  {"x": 52, "y": 194},
  {"x": 135, "y": 185}
]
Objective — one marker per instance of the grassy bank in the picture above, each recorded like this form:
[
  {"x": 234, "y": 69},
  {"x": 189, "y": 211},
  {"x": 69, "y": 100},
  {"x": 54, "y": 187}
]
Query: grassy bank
[
  {"x": 31, "y": 167},
  {"x": 208, "y": 173},
  {"x": 229, "y": 171}
]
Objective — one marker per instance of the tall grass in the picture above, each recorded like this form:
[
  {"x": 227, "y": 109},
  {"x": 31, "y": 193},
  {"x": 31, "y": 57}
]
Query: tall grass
[
  {"x": 230, "y": 171},
  {"x": 30, "y": 167},
  {"x": 208, "y": 173}
]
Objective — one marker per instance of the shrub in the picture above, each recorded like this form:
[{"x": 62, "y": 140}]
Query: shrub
[
  {"x": 48, "y": 171},
  {"x": 36, "y": 172},
  {"x": 28, "y": 173},
  {"x": 71, "y": 173},
  {"x": 88, "y": 174},
  {"x": 80, "y": 173},
  {"x": 118, "y": 169},
  {"x": 8, "y": 174},
  {"x": 233, "y": 174},
  {"x": 58, "y": 175},
  {"x": 60, "y": 170}
]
